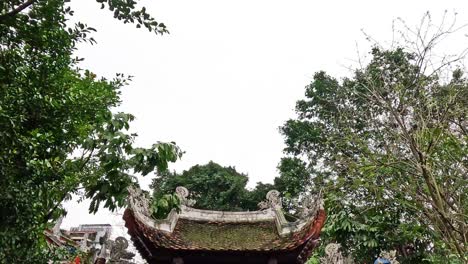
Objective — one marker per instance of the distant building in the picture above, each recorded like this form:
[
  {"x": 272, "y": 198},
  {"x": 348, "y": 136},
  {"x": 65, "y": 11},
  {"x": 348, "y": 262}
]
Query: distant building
[
  {"x": 93, "y": 240},
  {"x": 90, "y": 235}
]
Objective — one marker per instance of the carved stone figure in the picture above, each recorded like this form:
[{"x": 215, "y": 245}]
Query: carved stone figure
[
  {"x": 183, "y": 194},
  {"x": 273, "y": 198}
]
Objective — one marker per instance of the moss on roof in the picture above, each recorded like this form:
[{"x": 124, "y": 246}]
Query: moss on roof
[{"x": 241, "y": 236}]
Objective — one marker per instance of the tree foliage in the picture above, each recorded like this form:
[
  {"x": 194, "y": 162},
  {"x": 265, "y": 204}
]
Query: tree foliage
[
  {"x": 126, "y": 11},
  {"x": 162, "y": 205},
  {"x": 389, "y": 147},
  {"x": 213, "y": 187},
  {"x": 58, "y": 135}
]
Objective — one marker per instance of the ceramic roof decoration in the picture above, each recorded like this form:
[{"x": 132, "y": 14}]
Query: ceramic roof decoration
[{"x": 204, "y": 236}]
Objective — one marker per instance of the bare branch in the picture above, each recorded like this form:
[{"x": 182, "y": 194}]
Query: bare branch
[{"x": 16, "y": 10}]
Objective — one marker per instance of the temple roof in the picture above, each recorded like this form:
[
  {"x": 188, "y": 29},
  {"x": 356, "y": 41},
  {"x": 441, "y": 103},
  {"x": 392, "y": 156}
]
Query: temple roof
[{"x": 190, "y": 230}]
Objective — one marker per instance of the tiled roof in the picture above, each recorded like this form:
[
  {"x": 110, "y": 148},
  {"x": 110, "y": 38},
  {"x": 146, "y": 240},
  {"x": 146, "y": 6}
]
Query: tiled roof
[
  {"x": 218, "y": 236},
  {"x": 263, "y": 232}
]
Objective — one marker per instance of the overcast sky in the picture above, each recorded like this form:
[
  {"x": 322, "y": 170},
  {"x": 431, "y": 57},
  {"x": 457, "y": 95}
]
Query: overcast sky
[{"x": 229, "y": 73}]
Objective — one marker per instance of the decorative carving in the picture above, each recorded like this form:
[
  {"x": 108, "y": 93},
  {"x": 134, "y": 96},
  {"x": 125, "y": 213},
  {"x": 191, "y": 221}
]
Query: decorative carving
[
  {"x": 140, "y": 202},
  {"x": 332, "y": 249},
  {"x": 273, "y": 198},
  {"x": 118, "y": 251},
  {"x": 183, "y": 194},
  {"x": 333, "y": 254},
  {"x": 263, "y": 205},
  {"x": 310, "y": 205}
]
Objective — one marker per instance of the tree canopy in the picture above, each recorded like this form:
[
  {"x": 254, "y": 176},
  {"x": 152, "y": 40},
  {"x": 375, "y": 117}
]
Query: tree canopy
[
  {"x": 58, "y": 133},
  {"x": 213, "y": 187},
  {"x": 389, "y": 148}
]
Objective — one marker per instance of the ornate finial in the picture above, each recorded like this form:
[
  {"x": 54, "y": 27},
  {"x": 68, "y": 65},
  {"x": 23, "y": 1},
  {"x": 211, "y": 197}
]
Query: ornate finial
[
  {"x": 183, "y": 194},
  {"x": 273, "y": 198}
]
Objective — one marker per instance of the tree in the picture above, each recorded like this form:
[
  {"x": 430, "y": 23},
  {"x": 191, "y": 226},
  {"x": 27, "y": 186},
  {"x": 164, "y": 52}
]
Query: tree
[
  {"x": 293, "y": 182},
  {"x": 58, "y": 135},
  {"x": 389, "y": 148},
  {"x": 213, "y": 187},
  {"x": 251, "y": 198},
  {"x": 126, "y": 11}
]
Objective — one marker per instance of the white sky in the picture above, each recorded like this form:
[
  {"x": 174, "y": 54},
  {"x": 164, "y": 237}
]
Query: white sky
[{"x": 230, "y": 72}]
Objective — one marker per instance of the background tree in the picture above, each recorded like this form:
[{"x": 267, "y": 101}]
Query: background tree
[
  {"x": 294, "y": 181},
  {"x": 58, "y": 135},
  {"x": 389, "y": 148},
  {"x": 251, "y": 198},
  {"x": 213, "y": 187}
]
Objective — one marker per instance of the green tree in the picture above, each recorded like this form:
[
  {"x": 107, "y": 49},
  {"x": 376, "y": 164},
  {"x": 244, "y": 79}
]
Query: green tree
[
  {"x": 389, "y": 148},
  {"x": 213, "y": 187},
  {"x": 58, "y": 135},
  {"x": 293, "y": 182},
  {"x": 251, "y": 198}
]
